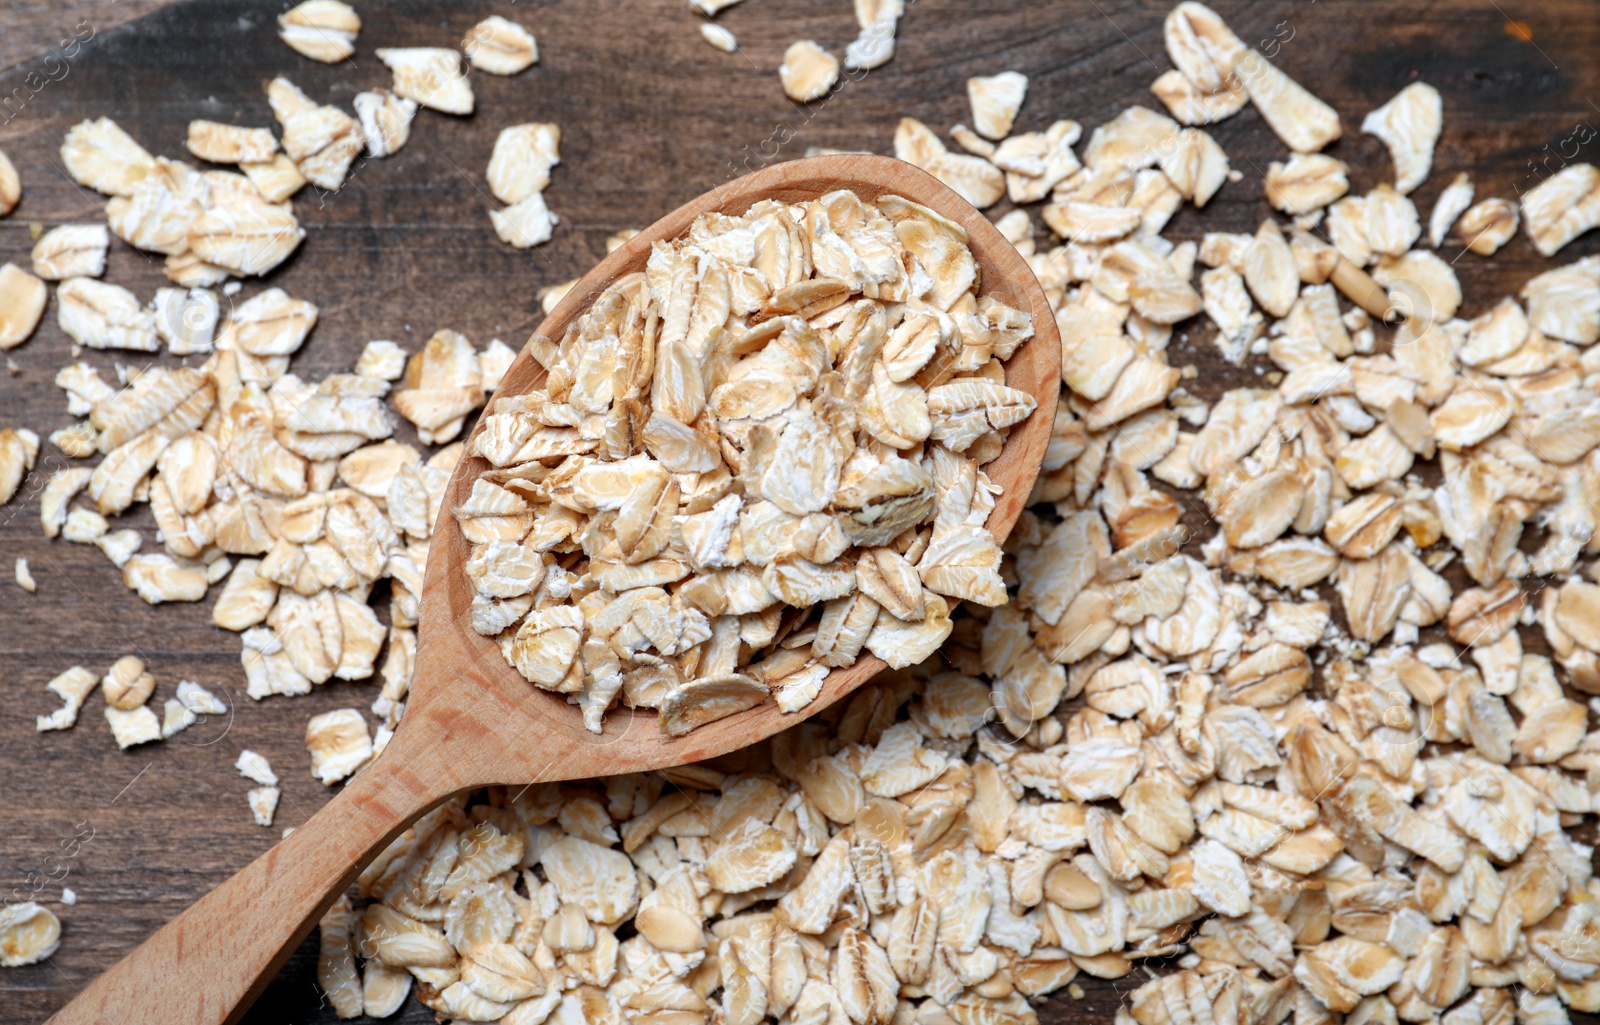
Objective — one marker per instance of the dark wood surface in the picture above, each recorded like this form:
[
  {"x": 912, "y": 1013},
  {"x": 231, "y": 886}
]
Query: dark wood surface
[
  {"x": 33, "y": 27},
  {"x": 651, "y": 116}
]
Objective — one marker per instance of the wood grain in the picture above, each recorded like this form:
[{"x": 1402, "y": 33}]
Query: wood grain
[
  {"x": 471, "y": 719},
  {"x": 35, "y": 27},
  {"x": 651, "y": 117}
]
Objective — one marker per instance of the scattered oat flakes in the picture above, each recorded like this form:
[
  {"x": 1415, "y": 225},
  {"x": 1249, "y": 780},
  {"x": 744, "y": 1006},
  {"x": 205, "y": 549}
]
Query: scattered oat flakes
[
  {"x": 978, "y": 181},
  {"x": 19, "y": 447},
  {"x": 230, "y": 144},
  {"x": 550, "y": 295},
  {"x": 98, "y": 315},
  {"x": 61, "y": 488},
  {"x": 874, "y": 47},
  {"x": 385, "y": 120},
  {"x": 995, "y": 101},
  {"x": 263, "y": 803},
  {"x": 500, "y": 47},
  {"x": 127, "y": 685},
  {"x": 1409, "y": 125},
  {"x": 83, "y": 526},
  {"x": 29, "y": 933},
  {"x": 430, "y": 75},
  {"x": 198, "y": 700},
  {"x": 270, "y": 323},
  {"x": 381, "y": 360},
  {"x": 1565, "y": 303},
  {"x": 189, "y": 271},
  {"x": 322, "y": 140},
  {"x": 175, "y": 718},
  {"x": 493, "y": 362},
  {"x": 524, "y": 224},
  {"x": 1450, "y": 205},
  {"x": 324, "y": 30},
  {"x": 119, "y": 545},
  {"x": 1192, "y": 106},
  {"x": 71, "y": 251},
  {"x": 443, "y": 384},
  {"x": 978, "y": 146},
  {"x": 73, "y": 687},
  {"x": 278, "y": 179},
  {"x": 22, "y": 301},
  {"x": 1488, "y": 225},
  {"x": 1562, "y": 207},
  {"x": 134, "y": 727},
  {"x": 247, "y": 597},
  {"x": 1196, "y": 166},
  {"x": 248, "y": 237},
  {"x": 101, "y": 156},
  {"x": 161, "y": 578},
  {"x": 10, "y": 186},
  {"x": 253, "y": 766},
  {"x": 159, "y": 214},
  {"x": 522, "y": 158},
  {"x": 339, "y": 744},
  {"x": 1215, "y": 62},
  {"x": 719, "y": 37},
  {"x": 25, "y": 577},
  {"x": 808, "y": 71},
  {"x": 1389, "y": 839},
  {"x": 186, "y": 319},
  {"x": 1307, "y": 182}
]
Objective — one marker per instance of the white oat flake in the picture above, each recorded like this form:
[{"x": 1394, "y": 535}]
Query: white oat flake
[
  {"x": 718, "y": 37},
  {"x": 808, "y": 71},
  {"x": 323, "y": 30},
  {"x": 430, "y": 75},
  {"x": 500, "y": 47}
]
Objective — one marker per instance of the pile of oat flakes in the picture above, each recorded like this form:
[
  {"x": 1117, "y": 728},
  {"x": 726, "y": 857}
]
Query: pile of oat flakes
[
  {"x": 1258, "y": 756},
  {"x": 1296, "y": 848},
  {"x": 785, "y": 413},
  {"x": 289, "y": 493}
]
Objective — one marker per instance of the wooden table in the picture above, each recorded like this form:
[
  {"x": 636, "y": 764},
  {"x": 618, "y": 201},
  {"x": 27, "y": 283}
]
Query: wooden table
[{"x": 650, "y": 116}]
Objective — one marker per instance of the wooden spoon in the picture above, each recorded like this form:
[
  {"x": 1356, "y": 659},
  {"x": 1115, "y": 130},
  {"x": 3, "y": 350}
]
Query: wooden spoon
[{"x": 472, "y": 720}]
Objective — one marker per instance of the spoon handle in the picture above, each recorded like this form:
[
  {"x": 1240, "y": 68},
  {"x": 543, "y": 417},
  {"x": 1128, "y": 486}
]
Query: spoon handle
[{"x": 208, "y": 964}]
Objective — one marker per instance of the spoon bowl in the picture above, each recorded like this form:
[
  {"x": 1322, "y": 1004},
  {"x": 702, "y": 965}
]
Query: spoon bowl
[
  {"x": 472, "y": 720},
  {"x": 631, "y": 741}
]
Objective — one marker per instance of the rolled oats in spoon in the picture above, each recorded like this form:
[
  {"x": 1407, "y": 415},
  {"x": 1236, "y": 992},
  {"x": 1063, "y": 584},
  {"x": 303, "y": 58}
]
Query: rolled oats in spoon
[{"x": 749, "y": 463}]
